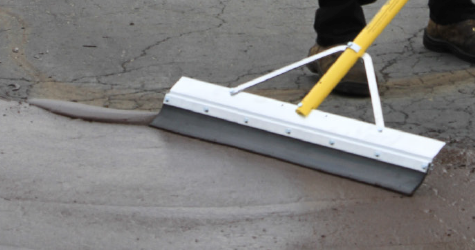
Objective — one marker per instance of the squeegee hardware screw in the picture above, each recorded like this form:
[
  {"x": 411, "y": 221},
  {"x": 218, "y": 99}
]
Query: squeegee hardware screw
[
  {"x": 331, "y": 142},
  {"x": 246, "y": 120},
  {"x": 206, "y": 110},
  {"x": 377, "y": 154},
  {"x": 167, "y": 100},
  {"x": 288, "y": 131}
]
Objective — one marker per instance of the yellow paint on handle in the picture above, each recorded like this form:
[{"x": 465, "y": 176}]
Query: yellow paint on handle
[{"x": 349, "y": 57}]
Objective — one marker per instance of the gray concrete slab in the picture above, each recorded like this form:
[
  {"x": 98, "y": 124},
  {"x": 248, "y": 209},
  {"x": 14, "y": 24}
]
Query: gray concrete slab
[{"x": 70, "y": 184}]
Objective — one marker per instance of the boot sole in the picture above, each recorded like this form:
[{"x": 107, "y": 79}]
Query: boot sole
[
  {"x": 438, "y": 45},
  {"x": 349, "y": 88},
  {"x": 352, "y": 89}
]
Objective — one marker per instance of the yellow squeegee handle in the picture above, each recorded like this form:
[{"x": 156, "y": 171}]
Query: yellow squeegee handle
[{"x": 349, "y": 57}]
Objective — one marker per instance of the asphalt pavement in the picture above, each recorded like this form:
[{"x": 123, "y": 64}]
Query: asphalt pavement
[{"x": 68, "y": 183}]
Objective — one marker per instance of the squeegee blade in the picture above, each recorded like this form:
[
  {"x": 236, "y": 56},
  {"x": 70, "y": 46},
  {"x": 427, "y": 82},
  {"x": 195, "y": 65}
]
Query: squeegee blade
[{"x": 391, "y": 159}]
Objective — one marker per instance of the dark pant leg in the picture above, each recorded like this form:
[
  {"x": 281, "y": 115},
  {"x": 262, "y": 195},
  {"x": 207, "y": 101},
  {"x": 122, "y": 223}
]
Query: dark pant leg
[
  {"x": 338, "y": 21},
  {"x": 451, "y": 11}
]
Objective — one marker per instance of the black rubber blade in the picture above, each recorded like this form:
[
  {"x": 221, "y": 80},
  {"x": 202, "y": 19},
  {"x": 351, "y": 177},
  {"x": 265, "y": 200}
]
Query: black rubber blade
[{"x": 329, "y": 160}]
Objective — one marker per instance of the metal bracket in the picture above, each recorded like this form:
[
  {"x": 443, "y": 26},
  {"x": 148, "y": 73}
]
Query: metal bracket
[
  {"x": 373, "y": 91},
  {"x": 355, "y": 47},
  {"x": 370, "y": 74},
  {"x": 288, "y": 68}
]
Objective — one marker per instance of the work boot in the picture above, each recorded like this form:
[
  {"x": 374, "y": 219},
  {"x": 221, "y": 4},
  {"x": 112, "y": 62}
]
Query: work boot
[
  {"x": 355, "y": 82},
  {"x": 364, "y": 2},
  {"x": 458, "y": 39}
]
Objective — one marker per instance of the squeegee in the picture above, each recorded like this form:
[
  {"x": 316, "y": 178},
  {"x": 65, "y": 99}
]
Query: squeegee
[{"x": 300, "y": 134}]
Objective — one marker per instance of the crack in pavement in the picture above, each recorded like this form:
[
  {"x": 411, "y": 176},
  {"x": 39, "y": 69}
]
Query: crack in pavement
[
  {"x": 125, "y": 65},
  {"x": 46, "y": 86}
]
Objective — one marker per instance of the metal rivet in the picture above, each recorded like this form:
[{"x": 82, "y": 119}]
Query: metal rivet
[
  {"x": 167, "y": 100},
  {"x": 246, "y": 120},
  {"x": 288, "y": 131},
  {"x": 206, "y": 110},
  {"x": 377, "y": 154},
  {"x": 331, "y": 142}
]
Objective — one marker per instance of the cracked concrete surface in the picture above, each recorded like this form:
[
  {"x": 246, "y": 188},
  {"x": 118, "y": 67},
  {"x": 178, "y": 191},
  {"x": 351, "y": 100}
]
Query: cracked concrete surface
[
  {"x": 127, "y": 54},
  {"x": 129, "y": 187}
]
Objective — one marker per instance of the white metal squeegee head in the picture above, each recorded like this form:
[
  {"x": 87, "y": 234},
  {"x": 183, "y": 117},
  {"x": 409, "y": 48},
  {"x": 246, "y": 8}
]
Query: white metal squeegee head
[{"x": 321, "y": 128}]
